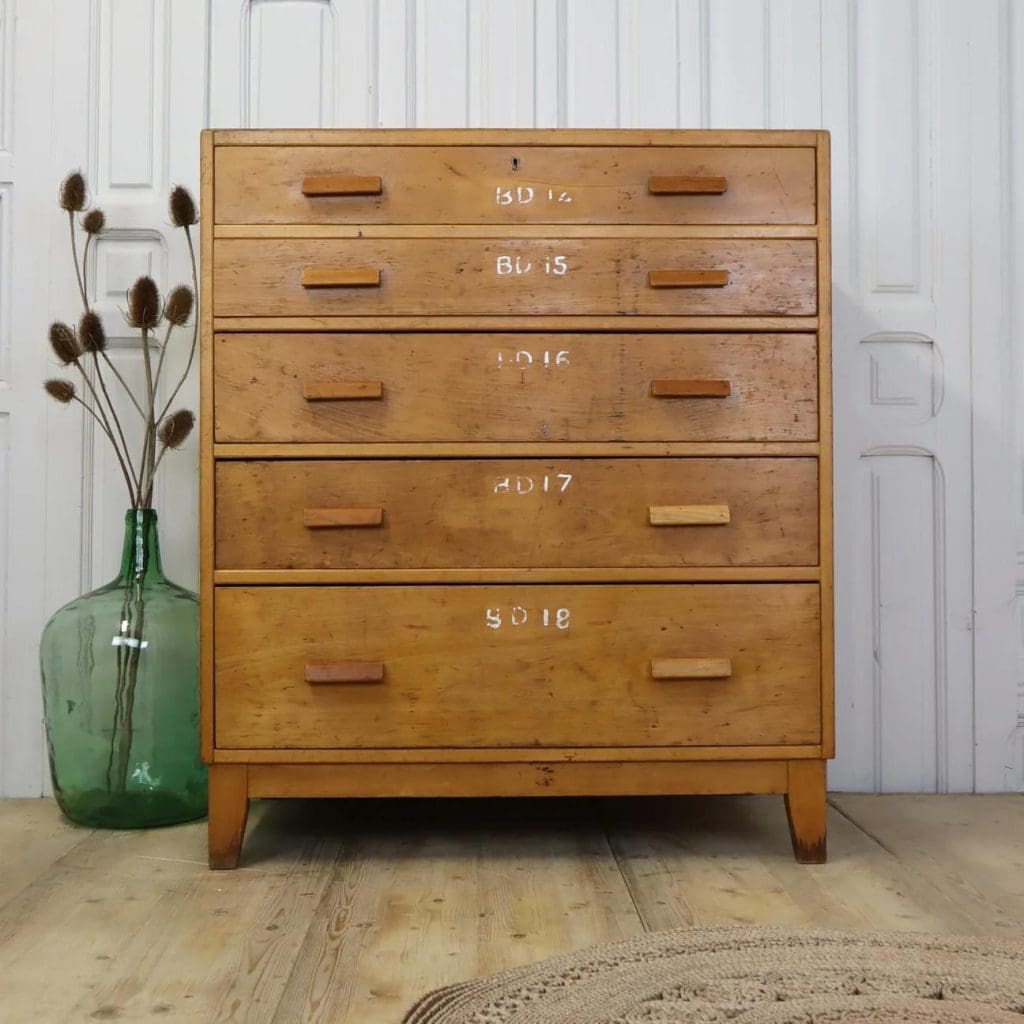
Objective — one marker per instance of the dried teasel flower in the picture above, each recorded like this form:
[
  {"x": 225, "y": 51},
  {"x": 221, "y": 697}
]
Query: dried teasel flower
[
  {"x": 62, "y": 390},
  {"x": 94, "y": 221},
  {"x": 144, "y": 304},
  {"x": 178, "y": 307},
  {"x": 175, "y": 428},
  {"x": 182, "y": 207},
  {"x": 64, "y": 343},
  {"x": 91, "y": 334},
  {"x": 73, "y": 193}
]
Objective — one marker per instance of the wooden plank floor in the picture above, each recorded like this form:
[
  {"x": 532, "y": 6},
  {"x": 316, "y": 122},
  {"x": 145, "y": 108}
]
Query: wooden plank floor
[{"x": 347, "y": 911}]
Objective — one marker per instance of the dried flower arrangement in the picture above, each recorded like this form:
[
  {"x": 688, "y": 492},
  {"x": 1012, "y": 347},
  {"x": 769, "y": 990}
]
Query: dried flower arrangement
[
  {"x": 85, "y": 348},
  {"x": 126, "y": 654}
]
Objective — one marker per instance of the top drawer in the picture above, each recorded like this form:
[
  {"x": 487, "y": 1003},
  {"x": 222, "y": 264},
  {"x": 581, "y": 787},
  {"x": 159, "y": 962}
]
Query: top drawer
[{"x": 514, "y": 185}]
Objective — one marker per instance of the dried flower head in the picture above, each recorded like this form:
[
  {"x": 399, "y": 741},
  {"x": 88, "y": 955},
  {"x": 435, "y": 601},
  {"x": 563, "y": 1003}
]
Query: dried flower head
[
  {"x": 64, "y": 343},
  {"x": 73, "y": 193},
  {"x": 94, "y": 221},
  {"x": 175, "y": 428},
  {"x": 91, "y": 334},
  {"x": 62, "y": 390},
  {"x": 144, "y": 304},
  {"x": 178, "y": 307},
  {"x": 182, "y": 207}
]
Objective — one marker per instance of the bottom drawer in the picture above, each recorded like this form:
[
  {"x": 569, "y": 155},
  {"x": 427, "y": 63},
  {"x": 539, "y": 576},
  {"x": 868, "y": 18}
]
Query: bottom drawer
[{"x": 517, "y": 666}]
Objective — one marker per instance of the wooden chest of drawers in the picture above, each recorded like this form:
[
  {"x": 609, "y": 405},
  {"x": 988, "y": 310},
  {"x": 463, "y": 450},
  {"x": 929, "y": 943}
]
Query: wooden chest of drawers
[{"x": 516, "y": 467}]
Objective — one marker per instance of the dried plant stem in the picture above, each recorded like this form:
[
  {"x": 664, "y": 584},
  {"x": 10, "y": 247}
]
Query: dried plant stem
[
  {"x": 148, "y": 444},
  {"x": 116, "y": 419},
  {"x": 74, "y": 255},
  {"x": 106, "y": 430},
  {"x": 127, "y": 390},
  {"x": 103, "y": 419},
  {"x": 123, "y": 453},
  {"x": 195, "y": 325},
  {"x": 160, "y": 367}
]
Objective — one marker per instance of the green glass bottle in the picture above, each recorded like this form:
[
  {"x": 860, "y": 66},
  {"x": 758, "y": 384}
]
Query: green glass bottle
[{"x": 120, "y": 670}]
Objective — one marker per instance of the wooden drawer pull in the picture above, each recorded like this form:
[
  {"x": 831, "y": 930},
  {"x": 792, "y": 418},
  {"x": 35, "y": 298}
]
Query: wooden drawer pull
[
  {"x": 685, "y": 185},
  {"x": 688, "y": 515},
  {"x": 688, "y": 278},
  {"x": 331, "y": 390},
  {"x": 340, "y": 277},
  {"x": 690, "y": 389},
  {"x": 691, "y": 668},
  {"x": 345, "y": 672},
  {"x": 325, "y": 518},
  {"x": 342, "y": 185}
]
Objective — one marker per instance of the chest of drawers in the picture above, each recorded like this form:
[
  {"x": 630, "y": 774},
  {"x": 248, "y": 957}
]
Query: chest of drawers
[{"x": 516, "y": 467}]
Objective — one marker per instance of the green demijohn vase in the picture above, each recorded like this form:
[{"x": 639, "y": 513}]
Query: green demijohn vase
[{"x": 120, "y": 669}]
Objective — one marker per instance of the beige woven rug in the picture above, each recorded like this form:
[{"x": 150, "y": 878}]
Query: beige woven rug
[{"x": 750, "y": 976}]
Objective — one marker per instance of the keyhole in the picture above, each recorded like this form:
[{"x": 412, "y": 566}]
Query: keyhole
[{"x": 515, "y": 163}]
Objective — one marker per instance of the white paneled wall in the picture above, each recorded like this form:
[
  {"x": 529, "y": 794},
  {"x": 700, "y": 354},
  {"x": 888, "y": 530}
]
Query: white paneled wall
[{"x": 925, "y": 102}]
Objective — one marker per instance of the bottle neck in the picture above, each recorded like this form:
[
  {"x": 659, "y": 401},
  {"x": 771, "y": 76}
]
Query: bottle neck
[{"x": 140, "y": 558}]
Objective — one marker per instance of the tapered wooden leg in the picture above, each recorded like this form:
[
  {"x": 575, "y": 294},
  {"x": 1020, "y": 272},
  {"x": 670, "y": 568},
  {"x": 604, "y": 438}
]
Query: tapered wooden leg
[
  {"x": 229, "y": 809},
  {"x": 807, "y": 811}
]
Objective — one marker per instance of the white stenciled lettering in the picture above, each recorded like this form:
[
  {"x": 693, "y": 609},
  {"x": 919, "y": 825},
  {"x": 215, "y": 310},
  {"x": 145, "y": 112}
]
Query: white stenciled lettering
[
  {"x": 527, "y": 484},
  {"x": 518, "y": 616},
  {"x": 523, "y": 357},
  {"x": 553, "y": 266}
]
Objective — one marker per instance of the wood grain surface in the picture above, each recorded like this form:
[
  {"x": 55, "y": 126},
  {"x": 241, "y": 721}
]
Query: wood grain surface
[
  {"x": 477, "y": 388},
  {"x": 517, "y": 666},
  {"x": 506, "y": 184},
  {"x": 521, "y": 512},
  {"x": 557, "y": 276}
]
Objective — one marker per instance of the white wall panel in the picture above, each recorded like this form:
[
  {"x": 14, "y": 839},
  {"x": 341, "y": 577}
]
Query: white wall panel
[
  {"x": 592, "y": 63},
  {"x": 794, "y": 64},
  {"x": 649, "y": 72},
  {"x": 693, "y": 84},
  {"x": 6, "y": 280},
  {"x": 442, "y": 64},
  {"x": 129, "y": 120},
  {"x": 737, "y": 40},
  {"x": 890, "y": 126},
  {"x": 6, "y": 73},
  {"x": 503, "y": 59},
  {"x": 925, "y": 103},
  {"x": 289, "y": 51}
]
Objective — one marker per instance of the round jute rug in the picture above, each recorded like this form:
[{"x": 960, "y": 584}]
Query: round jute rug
[{"x": 750, "y": 976}]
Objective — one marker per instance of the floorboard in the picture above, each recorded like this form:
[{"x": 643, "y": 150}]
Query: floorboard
[{"x": 346, "y": 911}]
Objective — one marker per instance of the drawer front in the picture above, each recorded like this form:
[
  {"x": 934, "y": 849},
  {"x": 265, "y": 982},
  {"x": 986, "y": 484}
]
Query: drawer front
[
  {"x": 510, "y": 185},
  {"x": 517, "y": 666},
  {"x": 466, "y": 276},
  {"x": 516, "y": 513},
  {"x": 515, "y": 387}
]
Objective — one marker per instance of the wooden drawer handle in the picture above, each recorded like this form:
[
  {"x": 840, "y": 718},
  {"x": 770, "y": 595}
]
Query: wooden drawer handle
[
  {"x": 332, "y": 390},
  {"x": 325, "y": 518},
  {"x": 690, "y": 389},
  {"x": 691, "y": 668},
  {"x": 342, "y": 185},
  {"x": 340, "y": 277},
  {"x": 688, "y": 278},
  {"x": 345, "y": 672},
  {"x": 685, "y": 185},
  {"x": 688, "y": 515}
]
